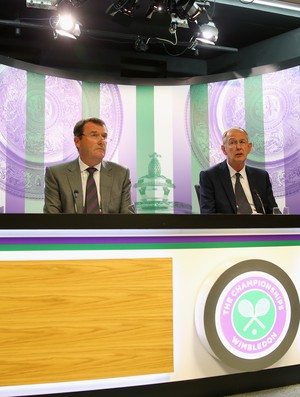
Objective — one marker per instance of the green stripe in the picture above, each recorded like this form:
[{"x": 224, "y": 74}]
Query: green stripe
[
  {"x": 90, "y": 99},
  {"x": 144, "y": 128},
  {"x": 120, "y": 247},
  {"x": 199, "y": 135},
  {"x": 35, "y": 130},
  {"x": 254, "y": 109}
]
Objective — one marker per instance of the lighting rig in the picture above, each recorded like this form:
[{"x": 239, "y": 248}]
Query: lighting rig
[
  {"x": 187, "y": 14},
  {"x": 191, "y": 15}
]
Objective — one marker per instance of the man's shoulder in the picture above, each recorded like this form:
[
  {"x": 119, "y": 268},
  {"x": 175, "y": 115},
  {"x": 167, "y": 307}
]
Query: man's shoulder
[
  {"x": 111, "y": 165},
  {"x": 216, "y": 167},
  {"x": 64, "y": 166},
  {"x": 255, "y": 170}
]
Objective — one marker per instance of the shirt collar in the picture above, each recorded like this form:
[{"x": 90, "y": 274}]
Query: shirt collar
[
  {"x": 233, "y": 172},
  {"x": 84, "y": 166}
]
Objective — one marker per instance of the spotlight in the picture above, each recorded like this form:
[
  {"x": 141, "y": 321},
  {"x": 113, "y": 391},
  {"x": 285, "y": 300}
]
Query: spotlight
[
  {"x": 157, "y": 6},
  {"x": 67, "y": 26},
  {"x": 177, "y": 23},
  {"x": 140, "y": 45},
  {"x": 208, "y": 33},
  {"x": 126, "y": 7},
  {"x": 189, "y": 10}
]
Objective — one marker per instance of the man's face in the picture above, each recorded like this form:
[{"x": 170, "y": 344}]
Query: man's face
[
  {"x": 236, "y": 148},
  {"x": 92, "y": 144}
]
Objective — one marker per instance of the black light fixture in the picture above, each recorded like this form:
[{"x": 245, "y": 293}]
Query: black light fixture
[
  {"x": 159, "y": 6},
  {"x": 186, "y": 9},
  {"x": 125, "y": 7},
  {"x": 177, "y": 23},
  {"x": 140, "y": 44},
  {"x": 65, "y": 23},
  {"x": 206, "y": 32},
  {"x": 189, "y": 14}
]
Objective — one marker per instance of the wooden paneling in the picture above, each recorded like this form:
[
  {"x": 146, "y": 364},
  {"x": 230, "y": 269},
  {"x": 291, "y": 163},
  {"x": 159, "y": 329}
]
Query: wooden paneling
[{"x": 89, "y": 319}]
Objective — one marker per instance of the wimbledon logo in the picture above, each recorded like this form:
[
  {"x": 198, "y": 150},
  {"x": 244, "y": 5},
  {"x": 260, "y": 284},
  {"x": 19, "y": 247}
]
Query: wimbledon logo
[{"x": 249, "y": 316}]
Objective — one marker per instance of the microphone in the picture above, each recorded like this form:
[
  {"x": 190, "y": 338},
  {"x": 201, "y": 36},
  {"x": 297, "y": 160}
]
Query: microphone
[
  {"x": 260, "y": 200},
  {"x": 75, "y": 195}
]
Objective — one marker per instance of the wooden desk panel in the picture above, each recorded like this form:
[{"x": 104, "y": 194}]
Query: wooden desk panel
[{"x": 78, "y": 320}]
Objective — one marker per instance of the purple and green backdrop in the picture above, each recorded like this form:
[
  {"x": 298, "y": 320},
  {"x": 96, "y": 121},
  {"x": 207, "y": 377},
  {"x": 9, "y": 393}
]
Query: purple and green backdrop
[{"x": 164, "y": 134}]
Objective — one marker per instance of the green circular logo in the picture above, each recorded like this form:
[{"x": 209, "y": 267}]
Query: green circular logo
[
  {"x": 249, "y": 316},
  {"x": 254, "y": 315}
]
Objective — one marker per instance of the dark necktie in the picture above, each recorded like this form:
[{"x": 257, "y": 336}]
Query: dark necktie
[
  {"x": 242, "y": 204},
  {"x": 91, "y": 198}
]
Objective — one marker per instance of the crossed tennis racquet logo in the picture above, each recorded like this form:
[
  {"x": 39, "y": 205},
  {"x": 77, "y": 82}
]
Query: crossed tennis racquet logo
[{"x": 247, "y": 309}]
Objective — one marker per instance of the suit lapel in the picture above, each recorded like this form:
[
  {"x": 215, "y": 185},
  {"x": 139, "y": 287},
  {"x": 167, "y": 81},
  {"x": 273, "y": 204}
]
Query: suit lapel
[
  {"x": 227, "y": 184},
  {"x": 252, "y": 180},
  {"x": 250, "y": 177},
  {"x": 105, "y": 185},
  {"x": 74, "y": 178}
]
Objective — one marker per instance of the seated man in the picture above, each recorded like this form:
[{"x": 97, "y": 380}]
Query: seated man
[
  {"x": 88, "y": 184},
  {"x": 231, "y": 187}
]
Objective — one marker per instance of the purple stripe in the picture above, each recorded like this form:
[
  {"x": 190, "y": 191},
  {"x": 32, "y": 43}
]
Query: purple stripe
[
  {"x": 92, "y": 207},
  {"x": 92, "y": 196},
  {"x": 182, "y": 170},
  {"x": 288, "y": 161},
  {"x": 128, "y": 157},
  {"x": 147, "y": 240},
  {"x": 63, "y": 99},
  {"x": 16, "y": 146}
]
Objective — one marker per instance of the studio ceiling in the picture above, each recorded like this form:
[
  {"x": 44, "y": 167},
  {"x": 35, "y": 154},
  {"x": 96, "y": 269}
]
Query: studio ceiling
[{"x": 106, "y": 41}]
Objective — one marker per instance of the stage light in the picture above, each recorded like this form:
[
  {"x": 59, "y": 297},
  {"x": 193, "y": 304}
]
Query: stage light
[
  {"x": 208, "y": 33},
  {"x": 140, "y": 44},
  {"x": 189, "y": 10},
  {"x": 129, "y": 7},
  {"x": 177, "y": 23},
  {"x": 66, "y": 22},
  {"x": 157, "y": 6},
  {"x": 66, "y": 25},
  {"x": 125, "y": 7}
]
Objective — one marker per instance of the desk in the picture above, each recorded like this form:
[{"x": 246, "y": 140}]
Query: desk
[{"x": 167, "y": 262}]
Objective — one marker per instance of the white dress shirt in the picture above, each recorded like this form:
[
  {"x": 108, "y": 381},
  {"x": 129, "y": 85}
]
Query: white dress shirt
[{"x": 244, "y": 183}]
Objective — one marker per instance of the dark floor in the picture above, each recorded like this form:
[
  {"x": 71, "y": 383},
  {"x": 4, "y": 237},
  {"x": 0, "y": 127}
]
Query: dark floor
[{"x": 288, "y": 391}]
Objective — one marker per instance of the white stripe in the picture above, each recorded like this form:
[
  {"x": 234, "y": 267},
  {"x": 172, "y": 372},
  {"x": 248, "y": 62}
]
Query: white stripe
[{"x": 163, "y": 133}]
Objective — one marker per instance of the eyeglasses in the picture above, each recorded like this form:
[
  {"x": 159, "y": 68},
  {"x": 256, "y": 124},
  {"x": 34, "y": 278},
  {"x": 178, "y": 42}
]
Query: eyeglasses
[
  {"x": 234, "y": 142},
  {"x": 95, "y": 137}
]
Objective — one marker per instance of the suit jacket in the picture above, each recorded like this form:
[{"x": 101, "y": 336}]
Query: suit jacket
[
  {"x": 217, "y": 194},
  {"x": 63, "y": 189}
]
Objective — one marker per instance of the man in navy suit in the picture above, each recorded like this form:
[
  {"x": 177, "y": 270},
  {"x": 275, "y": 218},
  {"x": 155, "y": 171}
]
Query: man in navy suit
[{"x": 217, "y": 184}]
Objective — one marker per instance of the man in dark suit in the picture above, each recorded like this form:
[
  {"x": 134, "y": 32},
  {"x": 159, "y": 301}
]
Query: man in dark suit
[
  {"x": 65, "y": 184},
  {"x": 217, "y": 184}
]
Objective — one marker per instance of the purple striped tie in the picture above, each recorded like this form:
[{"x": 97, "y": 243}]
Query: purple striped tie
[
  {"x": 91, "y": 198},
  {"x": 242, "y": 204}
]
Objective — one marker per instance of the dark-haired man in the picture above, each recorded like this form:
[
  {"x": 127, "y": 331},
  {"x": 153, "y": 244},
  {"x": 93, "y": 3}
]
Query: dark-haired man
[{"x": 66, "y": 184}]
